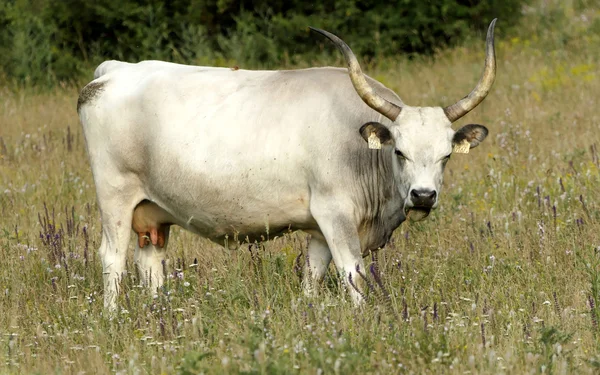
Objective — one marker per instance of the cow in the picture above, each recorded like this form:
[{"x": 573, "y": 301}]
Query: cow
[{"x": 238, "y": 155}]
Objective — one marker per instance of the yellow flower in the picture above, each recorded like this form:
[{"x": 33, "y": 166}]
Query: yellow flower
[
  {"x": 578, "y": 70},
  {"x": 589, "y": 77}
]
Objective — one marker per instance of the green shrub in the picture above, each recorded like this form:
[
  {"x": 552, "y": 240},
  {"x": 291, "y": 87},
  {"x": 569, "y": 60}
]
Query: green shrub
[{"x": 49, "y": 41}]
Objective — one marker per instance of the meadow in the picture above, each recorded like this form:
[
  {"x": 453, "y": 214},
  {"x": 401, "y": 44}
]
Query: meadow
[{"x": 503, "y": 278}]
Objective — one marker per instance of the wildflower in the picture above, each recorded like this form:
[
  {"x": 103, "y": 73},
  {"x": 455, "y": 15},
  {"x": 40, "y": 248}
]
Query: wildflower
[{"x": 225, "y": 361}]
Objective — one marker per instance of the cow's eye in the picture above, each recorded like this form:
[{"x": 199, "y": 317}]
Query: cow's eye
[{"x": 399, "y": 154}]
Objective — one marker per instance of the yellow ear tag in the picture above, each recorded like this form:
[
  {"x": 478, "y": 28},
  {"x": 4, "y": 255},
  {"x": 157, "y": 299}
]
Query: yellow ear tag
[
  {"x": 463, "y": 147},
  {"x": 374, "y": 142}
]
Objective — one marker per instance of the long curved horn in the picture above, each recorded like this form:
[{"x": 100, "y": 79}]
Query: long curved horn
[
  {"x": 362, "y": 87},
  {"x": 466, "y": 104}
]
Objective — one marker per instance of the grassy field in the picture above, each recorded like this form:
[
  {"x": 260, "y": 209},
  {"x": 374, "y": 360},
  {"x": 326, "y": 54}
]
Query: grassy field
[{"x": 503, "y": 278}]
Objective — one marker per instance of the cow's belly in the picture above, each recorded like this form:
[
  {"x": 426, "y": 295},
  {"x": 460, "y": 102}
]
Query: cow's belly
[{"x": 237, "y": 206}]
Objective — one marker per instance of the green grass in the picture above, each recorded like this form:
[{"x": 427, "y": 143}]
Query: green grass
[{"x": 503, "y": 278}]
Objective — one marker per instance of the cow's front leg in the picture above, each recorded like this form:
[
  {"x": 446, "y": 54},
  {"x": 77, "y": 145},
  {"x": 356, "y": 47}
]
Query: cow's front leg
[
  {"x": 341, "y": 234},
  {"x": 316, "y": 263}
]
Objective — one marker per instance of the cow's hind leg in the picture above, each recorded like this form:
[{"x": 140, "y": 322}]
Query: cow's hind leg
[
  {"x": 151, "y": 257},
  {"x": 316, "y": 263},
  {"x": 116, "y": 208}
]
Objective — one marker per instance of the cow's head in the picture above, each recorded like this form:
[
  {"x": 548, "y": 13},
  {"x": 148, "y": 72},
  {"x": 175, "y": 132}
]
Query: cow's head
[{"x": 421, "y": 137}]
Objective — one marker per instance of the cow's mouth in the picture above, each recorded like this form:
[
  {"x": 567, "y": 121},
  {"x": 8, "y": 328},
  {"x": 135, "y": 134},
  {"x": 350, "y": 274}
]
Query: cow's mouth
[{"x": 417, "y": 213}]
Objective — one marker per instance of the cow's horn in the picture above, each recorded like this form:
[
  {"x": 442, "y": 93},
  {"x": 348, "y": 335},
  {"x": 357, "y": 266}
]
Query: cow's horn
[
  {"x": 465, "y": 105},
  {"x": 362, "y": 87}
]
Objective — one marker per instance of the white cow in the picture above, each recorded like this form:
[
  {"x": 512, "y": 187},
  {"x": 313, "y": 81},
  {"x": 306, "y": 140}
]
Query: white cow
[{"x": 234, "y": 154}]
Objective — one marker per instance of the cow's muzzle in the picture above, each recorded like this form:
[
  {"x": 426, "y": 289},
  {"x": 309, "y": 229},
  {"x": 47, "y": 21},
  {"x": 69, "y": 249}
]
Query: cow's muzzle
[
  {"x": 423, "y": 198},
  {"x": 422, "y": 201}
]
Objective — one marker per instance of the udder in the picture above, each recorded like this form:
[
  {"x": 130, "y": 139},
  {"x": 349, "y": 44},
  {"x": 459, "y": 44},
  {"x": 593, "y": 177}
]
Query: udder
[{"x": 151, "y": 223}]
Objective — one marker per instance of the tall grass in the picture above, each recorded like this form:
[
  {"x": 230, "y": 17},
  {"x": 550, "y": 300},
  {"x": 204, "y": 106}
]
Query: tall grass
[{"x": 503, "y": 278}]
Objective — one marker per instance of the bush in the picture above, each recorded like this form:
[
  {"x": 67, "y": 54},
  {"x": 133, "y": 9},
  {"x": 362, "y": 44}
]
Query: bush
[{"x": 49, "y": 41}]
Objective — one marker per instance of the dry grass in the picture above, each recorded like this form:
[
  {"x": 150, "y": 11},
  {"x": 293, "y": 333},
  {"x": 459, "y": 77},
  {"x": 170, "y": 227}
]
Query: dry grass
[{"x": 504, "y": 278}]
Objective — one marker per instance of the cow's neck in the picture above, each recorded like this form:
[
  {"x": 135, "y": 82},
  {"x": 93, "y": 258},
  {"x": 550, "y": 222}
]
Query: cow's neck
[{"x": 382, "y": 206}]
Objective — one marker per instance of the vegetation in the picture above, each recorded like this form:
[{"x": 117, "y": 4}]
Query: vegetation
[
  {"x": 503, "y": 278},
  {"x": 45, "y": 41}
]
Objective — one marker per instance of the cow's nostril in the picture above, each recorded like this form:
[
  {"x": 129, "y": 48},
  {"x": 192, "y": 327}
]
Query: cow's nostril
[{"x": 414, "y": 194}]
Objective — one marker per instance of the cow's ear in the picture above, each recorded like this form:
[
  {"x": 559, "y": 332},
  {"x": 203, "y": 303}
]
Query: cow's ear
[
  {"x": 376, "y": 134},
  {"x": 468, "y": 136}
]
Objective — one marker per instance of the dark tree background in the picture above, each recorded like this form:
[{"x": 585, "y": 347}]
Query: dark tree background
[{"x": 45, "y": 41}]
